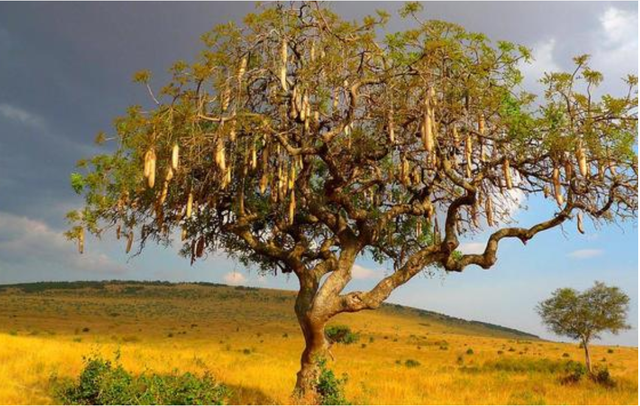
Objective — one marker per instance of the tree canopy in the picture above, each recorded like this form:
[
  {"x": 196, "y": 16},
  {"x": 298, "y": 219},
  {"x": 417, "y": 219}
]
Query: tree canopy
[
  {"x": 299, "y": 141},
  {"x": 585, "y": 315}
]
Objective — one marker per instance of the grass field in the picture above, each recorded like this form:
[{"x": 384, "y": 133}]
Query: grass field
[{"x": 249, "y": 339}]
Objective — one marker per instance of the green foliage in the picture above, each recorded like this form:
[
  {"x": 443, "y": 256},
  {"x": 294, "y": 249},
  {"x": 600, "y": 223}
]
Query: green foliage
[
  {"x": 341, "y": 334},
  {"x": 104, "y": 383},
  {"x": 573, "y": 372},
  {"x": 601, "y": 376},
  {"x": 356, "y": 81},
  {"x": 470, "y": 351},
  {"x": 77, "y": 182},
  {"x": 411, "y": 363},
  {"x": 330, "y": 389},
  {"x": 584, "y": 316}
]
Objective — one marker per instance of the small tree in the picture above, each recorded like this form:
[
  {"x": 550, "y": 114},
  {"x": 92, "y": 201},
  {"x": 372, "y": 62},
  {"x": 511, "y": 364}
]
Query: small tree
[
  {"x": 299, "y": 142},
  {"x": 584, "y": 316}
]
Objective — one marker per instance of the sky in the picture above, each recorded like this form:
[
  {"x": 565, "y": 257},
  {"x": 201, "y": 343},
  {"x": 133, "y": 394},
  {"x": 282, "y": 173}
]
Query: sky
[{"x": 65, "y": 73}]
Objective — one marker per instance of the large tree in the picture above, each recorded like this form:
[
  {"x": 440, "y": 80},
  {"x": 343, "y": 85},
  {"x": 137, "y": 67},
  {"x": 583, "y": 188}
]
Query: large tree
[
  {"x": 585, "y": 315},
  {"x": 299, "y": 142}
]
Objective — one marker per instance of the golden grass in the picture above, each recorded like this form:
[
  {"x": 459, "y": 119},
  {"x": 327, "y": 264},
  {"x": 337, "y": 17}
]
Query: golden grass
[{"x": 196, "y": 328}]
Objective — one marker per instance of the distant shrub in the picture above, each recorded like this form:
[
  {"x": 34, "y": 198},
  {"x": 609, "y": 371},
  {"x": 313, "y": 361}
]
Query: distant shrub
[
  {"x": 470, "y": 351},
  {"x": 363, "y": 345},
  {"x": 330, "y": 389},
  {"x": 103, "y": 383},
  {"x": 341, "y": 334},
  {"x": 602, "y": 377},
  {"x": 565, "y": 355},
  {"x": 246, "y": 351},
  {"x": 500, "y": 352},
  {"x": 610, "y": 351},
  {"x": 285, "y": 335},
  {"x": 411, "y": 363},
  {"x": 573, "y": 373},
  {"x": 85, "y": 330},
  {"x": 511, "y": 349},
  {"x": 13, "y": 332}
]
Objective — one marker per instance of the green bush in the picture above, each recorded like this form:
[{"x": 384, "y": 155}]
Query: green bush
[
  {"x": 341, "y": 334},
  {"x": 411, "y": 363},
  {"x": 330, "y": 389},
  {"x": 105, "y": 383},
  {"x": 574, "y": 372},
  {"x": 602, "y": 376},
  {"x": 470, "y": 351}
]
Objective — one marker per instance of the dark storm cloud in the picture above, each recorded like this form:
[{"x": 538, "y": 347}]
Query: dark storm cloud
[{"x": 67, "y": 67}]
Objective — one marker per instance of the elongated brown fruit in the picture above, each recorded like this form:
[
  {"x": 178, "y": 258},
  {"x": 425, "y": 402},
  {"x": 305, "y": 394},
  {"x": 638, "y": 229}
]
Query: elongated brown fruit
[
  {"x": 243, "y": 68},
  {"x": 292, "y": 206},
  {"x": 264, "y": 181},
  {"x": 392, "y": 131},
  {"x": 220, "y": 158},
  {"x": 468, "y": 149},
  {"x": 557, "y": 191},
  {"x": 254, "y": 157},
  {"x": 507, "y": 173},
  {"x": 489, "y": 211},
  {"x": 481, "y": 124},
  {"x": 189, "y": 205},
  {"x": 151, "y": 180},
  {"x": 183, "y": 235},
  {"x": 427, "y": 131},
  {"x": 404, "y": 172},
  {"x": 129, "y": 241},
  {"x": 226, "y": 98},
  {"x": 175, "y": 157},
  {"x": 568, "y": 170},
  {"x": 200, "y": 247},
  {"x": 580, "y": 225},
  {"x": 582, "y": 160},
  {"x": 118, "y": 231}
]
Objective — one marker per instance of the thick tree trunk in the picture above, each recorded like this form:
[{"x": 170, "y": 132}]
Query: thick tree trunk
[
  {"x": 315, "y": 346},
  {"x": 587, "y": 356},
  {"x": 312, "y": 325}
]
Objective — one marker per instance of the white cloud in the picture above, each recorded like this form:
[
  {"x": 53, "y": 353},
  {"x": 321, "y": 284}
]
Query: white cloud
[
  {"x": 616, "y": 47},
  {"x": 361, "y": 272},
  {"x": 472, "y": 248},
  {"x": 618, "y": 26},
  {"x": 20, "y": 115},
  {"x": 585, "y": 254},
  {"x": 543, "y": 62},
  {"x": 31, "y": 245},
  {"x": 234, "y": 278}
]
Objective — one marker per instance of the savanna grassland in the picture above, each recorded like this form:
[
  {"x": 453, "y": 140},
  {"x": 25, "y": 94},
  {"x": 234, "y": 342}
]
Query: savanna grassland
[{"x": 249, "y": 340}]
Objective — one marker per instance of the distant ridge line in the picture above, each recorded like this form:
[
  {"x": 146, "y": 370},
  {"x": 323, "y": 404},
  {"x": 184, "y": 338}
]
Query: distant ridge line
[{"x": 35, "y": 287}]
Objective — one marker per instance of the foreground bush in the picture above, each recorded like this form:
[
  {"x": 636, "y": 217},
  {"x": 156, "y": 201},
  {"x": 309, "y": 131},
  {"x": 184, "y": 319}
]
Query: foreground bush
[
  {"x": 341, "y": 334},
  {"x": 104, "y": 383},
  {"x": 329, "y": 388}
]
